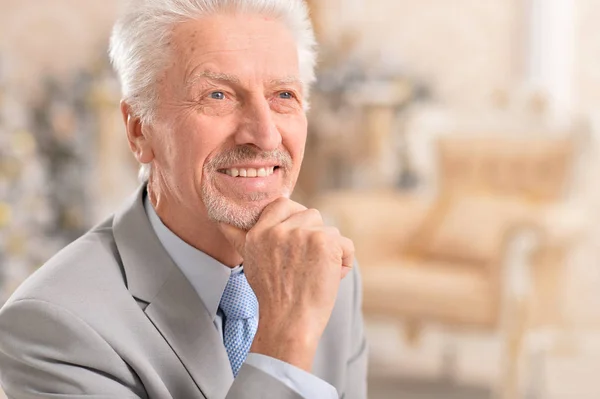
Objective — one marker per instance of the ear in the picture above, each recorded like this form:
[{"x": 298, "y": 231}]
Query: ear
[{"x": 139, "y": 142}]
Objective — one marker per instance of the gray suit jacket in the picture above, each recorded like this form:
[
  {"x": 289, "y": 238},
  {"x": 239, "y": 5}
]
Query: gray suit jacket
[{"x": 111, "y": 316}]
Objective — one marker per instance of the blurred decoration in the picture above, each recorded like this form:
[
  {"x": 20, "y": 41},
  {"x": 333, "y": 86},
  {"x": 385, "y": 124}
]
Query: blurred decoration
[
  {"x": 65, "y": 130},
  {"x": 356, "y": 138},
  {"x": 25, "y": 212},
  {"x": 48, "y": 158}
]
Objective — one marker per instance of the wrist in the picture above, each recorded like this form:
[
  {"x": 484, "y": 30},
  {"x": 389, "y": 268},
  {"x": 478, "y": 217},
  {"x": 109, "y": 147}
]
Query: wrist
[{"x": 296, "y": 346}]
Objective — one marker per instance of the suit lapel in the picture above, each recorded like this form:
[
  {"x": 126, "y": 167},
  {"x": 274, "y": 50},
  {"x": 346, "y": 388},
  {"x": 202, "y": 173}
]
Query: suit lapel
[
  {"x": 174, "y": 307},
  {"x": 182, "y": 319}
]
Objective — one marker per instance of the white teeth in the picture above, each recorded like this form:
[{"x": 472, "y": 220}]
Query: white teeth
[{"x": 250, "y": 172}]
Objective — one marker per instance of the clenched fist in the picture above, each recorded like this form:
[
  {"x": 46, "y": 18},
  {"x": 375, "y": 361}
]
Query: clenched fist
[{"x": 294, "y": 264}]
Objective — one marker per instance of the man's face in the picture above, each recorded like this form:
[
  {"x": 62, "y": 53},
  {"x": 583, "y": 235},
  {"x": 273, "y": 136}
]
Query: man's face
[{"x": 231, "y": 127}]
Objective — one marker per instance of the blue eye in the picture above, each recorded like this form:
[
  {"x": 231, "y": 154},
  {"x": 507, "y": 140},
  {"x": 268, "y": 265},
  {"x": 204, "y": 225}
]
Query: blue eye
[
  {"x": 286, "y": 95},
  {"x": 217, "y": 95}
]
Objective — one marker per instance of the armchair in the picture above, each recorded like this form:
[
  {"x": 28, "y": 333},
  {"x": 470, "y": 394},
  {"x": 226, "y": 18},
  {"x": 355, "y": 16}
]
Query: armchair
[{"x": 463, "y": 260}]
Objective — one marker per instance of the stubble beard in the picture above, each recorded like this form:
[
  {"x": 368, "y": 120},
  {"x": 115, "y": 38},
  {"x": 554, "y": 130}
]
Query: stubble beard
[
  {"x": 246, "y": 213},
  {"x": 224, "y": 210}
]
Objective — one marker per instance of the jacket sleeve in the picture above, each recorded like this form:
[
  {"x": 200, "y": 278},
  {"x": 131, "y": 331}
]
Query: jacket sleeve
[
  {"x": 252, "y": 383},
  {"x": 356, "y": 372}
]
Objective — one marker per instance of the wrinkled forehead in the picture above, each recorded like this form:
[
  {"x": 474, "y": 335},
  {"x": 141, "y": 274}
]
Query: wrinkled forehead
[{"x": 234, "y": 48}]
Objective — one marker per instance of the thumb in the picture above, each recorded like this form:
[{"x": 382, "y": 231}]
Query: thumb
[
  {"x": 235, "y": 236},
  {"x": 345, "y": 271}
]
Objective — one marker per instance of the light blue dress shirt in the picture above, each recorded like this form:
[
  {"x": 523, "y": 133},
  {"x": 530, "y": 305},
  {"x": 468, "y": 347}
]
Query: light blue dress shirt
[{"x": 209, "y": 277}]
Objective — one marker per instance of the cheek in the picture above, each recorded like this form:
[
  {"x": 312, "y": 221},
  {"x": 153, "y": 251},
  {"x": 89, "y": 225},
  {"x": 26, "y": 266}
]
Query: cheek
[
  {"x": 192, "y": 144},
  {"x": 293, "y": 133}
]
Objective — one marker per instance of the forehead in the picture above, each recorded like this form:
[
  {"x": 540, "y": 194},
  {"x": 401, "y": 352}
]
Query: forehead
[{"x": 244, "y": 46}]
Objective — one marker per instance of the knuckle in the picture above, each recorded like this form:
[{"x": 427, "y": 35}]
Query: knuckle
[
  {"x": 297, "y": 235},
  {"x": 319, "y": 239},
  {"x": 278, "y": 203},
  {"x": 334, "y": 231},
  {"x": 314, "y": 214},
  {"x": 278, "y": 233},
  {"x": 282, "y": 200},
  {"x": 351, "y": 246},
  {"x": 252, "y": 236},
  {"x": 348, "y": 241}
]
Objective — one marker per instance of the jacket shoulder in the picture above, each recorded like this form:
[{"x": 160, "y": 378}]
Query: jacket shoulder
[{"x": 88, "y": 264}]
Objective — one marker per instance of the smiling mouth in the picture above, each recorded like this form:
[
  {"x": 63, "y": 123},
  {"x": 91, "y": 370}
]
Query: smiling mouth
[{"x": 249, "y": 172}]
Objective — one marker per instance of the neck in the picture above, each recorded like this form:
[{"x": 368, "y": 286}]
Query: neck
[{"x": 197, "y": 231}]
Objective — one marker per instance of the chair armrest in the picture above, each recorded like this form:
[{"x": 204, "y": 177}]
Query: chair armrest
[
  {"x": 521, "y": 244},
  {"x": 563, "y": 224},
  {"x": 516, "y": 304}
]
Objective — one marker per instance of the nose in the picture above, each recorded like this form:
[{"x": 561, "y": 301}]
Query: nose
[{"x": 258, "y": 127}]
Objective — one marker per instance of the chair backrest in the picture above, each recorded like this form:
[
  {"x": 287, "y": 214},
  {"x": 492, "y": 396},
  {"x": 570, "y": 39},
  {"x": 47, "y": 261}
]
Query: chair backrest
[
  {"x": 532, "y": 169},
  {"x": 486, "y": 185}
]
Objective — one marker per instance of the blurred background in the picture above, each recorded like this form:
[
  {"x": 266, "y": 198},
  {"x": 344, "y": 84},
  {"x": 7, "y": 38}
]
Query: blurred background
[{"x": 456, "y": 142}]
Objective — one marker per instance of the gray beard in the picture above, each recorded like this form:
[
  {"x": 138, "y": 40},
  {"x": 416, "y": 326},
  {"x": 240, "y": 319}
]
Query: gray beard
[{"x": 223, "y": 210}]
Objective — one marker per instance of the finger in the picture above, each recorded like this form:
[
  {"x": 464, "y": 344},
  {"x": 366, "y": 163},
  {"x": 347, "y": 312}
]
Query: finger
[
  {"x": 235, "y": 236},
  {"x": 345, "y": 271},
  {"x": 348, "y": 257},
  {"x": 347, "y": 252},
  {"x": 277, "y": 212},
  {"x": 345, "y": 244},
  {"x": 308, "y": 218}
]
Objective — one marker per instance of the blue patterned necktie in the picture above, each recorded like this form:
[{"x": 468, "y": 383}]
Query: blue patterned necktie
[{"x": 240, "y": 307}]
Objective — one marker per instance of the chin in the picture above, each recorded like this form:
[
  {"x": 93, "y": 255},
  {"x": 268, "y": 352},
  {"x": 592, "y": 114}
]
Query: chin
[
  {"x": 241, "y": 205},
  {"x": 241, "y": 214}
]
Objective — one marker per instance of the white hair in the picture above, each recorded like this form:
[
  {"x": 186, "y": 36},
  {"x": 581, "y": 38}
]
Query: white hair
[{"x": 139, "y": 44}]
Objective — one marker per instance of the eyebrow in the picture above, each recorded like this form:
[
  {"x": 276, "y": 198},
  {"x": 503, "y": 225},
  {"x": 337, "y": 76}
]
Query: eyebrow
[
  {"x": 223, "y": 77},
  {"x": 286, "y": 80}
]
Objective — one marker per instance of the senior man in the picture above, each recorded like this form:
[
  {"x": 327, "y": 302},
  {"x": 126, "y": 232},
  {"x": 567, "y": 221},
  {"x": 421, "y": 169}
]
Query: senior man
[{"x": 209, "y": 282}]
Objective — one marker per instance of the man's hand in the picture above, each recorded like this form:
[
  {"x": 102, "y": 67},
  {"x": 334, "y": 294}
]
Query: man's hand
[{"x": 294, "y": 264}]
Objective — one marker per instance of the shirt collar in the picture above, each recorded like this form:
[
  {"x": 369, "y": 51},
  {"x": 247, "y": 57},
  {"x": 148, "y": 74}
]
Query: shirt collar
[{"x": 207, "y": 275}]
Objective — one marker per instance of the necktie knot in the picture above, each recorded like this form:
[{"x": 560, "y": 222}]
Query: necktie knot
[{"x": 238, "y": 300}]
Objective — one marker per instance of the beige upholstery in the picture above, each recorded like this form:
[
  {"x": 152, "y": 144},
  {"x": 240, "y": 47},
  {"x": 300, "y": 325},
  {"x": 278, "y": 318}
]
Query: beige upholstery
[
  {"x": 469, "y": 229},
  {"x": 443, "y": 261},
  {"x": 531, "y": 169},
  {"x": 446, "y": 262},
  {"x": 426, "y": 291},
  {"x": 380, "y": 223},
  {"x": 448, "y": 271}
]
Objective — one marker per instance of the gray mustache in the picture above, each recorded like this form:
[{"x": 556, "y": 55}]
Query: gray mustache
[{"x": 247, "y": 153}]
